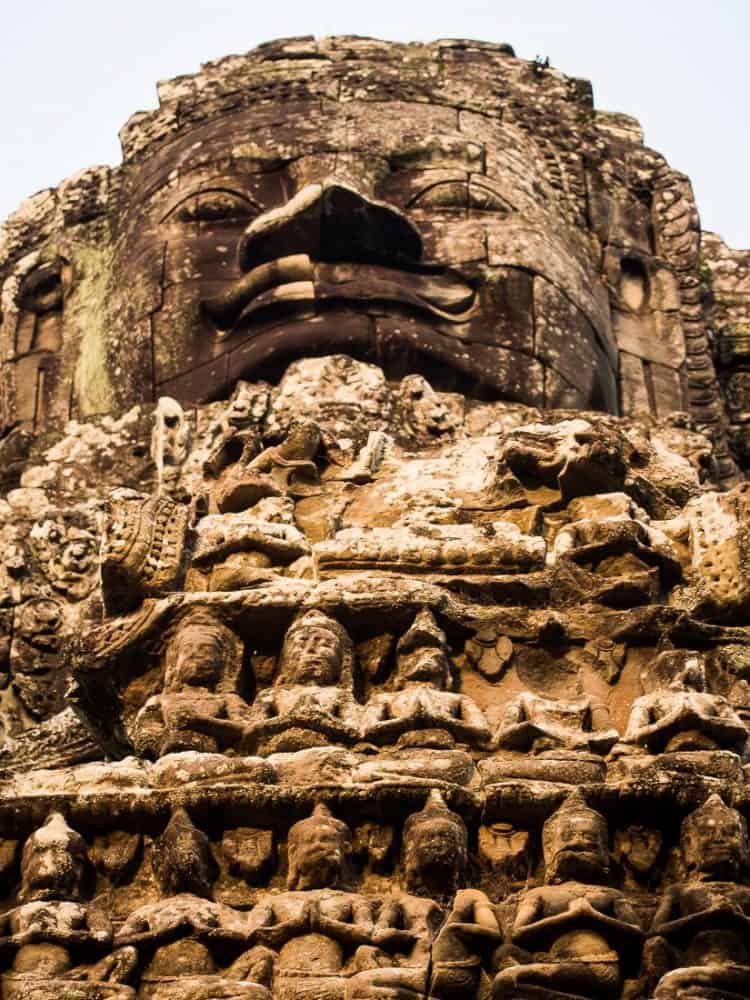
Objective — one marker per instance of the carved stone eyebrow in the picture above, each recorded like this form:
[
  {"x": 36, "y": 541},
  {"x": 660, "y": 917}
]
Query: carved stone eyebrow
[{"x": 451, "y": 150}]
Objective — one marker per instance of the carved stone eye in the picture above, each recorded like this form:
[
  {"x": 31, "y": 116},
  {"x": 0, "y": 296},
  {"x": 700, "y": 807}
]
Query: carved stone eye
[
  {"x": 41, "y": 290},
  {"x": 461, "y": 195},
  {"x": 484, "y": 199},
  {"x": 213, "y": 206},
  {"x": 446, "y": 194}
]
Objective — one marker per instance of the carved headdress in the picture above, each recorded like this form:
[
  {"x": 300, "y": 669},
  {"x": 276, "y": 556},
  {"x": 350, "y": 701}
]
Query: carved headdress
[
  {"x": 182, "y": 859},
  {"x": 424, "y": 631},
  {"x": 434, "y": 809},
  {"x": 307, "y": 831},
  {"x": 72, "y": 861},
  {"x": 424, "y": 634},
  {"x": 320, "y": 816},
  {"x": 575, "y": 837}
]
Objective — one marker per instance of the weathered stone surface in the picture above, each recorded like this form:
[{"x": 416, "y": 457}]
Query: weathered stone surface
[{"x": 373, "y": 570}]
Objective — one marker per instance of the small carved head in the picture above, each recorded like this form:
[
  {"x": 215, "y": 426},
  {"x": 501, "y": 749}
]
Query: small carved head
[
  {"x": 714, "y": 841},
  {"x": 638, "y": 847},
  {"x": 316, "y": 650},
  {"x": 317, "y": 849},
  {"x": 248, "y": 404},
  {"x": 574, "y": 842},
  {"x": 505, "y": 849},
  {"x": 182, "y": 859},
  {"x": 202, "y": 653},
  {"x": 435, "y": 849},
  {"x": 55, "y": 863},
  {"x": 421, "y": 656},
  {"x": 170, "y": 437}
]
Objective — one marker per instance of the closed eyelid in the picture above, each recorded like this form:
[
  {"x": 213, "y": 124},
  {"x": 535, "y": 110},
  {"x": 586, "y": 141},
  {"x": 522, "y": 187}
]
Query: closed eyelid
[
  {"x": 461, "y": 193},
  {"x": 241, "y": 199}
]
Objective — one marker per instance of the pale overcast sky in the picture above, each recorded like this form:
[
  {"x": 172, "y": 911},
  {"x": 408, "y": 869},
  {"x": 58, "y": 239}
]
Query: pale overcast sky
[{"x": 72, "y": 71}]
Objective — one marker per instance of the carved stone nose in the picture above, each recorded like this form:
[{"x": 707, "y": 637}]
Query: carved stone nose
[{"x": 331, "y": 222}]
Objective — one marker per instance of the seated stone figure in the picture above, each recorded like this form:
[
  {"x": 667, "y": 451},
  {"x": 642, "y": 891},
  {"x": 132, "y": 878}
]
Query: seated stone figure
[
  {"x": 183, "y": 940},
  {"x": 679, "y": 714},
  {"x": 570, "y": 937},
  {"x": 702, "y": 925},
  {"x": 420, "y": 700},
  {"x": 52, "y": 931},
  {"x": 535, "y": 724},
  {"x": 440, "y": 954},
  {"x": 310, "y": 702},
  {"x": 322, "y": 933},
  {"x": 551, "y": 740},
  {"x": 203, "y": 659}
]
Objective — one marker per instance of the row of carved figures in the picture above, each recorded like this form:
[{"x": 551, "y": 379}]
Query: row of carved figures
[
  {"x": 311, "y": 701},
  {"x": 571, "y": 937}
]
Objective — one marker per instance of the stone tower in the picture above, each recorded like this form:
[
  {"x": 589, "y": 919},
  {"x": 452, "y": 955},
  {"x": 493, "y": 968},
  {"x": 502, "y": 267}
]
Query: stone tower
[{"x": 374, "y": 564}]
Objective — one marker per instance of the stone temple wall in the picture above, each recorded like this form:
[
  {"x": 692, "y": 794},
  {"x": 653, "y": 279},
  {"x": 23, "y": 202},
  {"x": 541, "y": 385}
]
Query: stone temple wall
[{"x": 375, "y": 548}]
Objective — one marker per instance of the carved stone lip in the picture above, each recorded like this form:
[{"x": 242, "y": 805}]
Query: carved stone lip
[{"x": 297, "y": 282}]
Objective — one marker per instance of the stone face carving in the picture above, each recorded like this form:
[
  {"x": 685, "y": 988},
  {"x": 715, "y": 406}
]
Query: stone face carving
[
  {"x": 373, "y": 592},
  {"x": 412, "y": 248},
  {"x": 310, "y": 702},
  {"x": 435, "y": 850}
]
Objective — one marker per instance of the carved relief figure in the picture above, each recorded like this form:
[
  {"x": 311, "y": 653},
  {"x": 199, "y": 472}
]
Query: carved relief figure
[
  {"x": 358, "y": 329},
  {"x": 702, "y": 924},
  {"x": 679, "y": 714},
  {"x": 321, "y": 932},
  {"x": 421, "y": 708},
  {"x": 569, "y": 937},
  {"x": 310, "y": 702},
  {"x": 203, "y": 660},
  {"x": 440, "y": 951},
  {"x": 54, "y": 936},
  {"x": 183, "y": 940},
  {"x": 537, "y": 724}
]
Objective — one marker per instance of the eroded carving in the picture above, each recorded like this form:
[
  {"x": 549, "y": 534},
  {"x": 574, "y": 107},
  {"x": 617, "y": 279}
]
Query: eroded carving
[{"x": 374, "y": 559}]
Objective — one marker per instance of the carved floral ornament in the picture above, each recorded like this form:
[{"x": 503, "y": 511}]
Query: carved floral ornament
[{"x": 373, "y": 601}]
